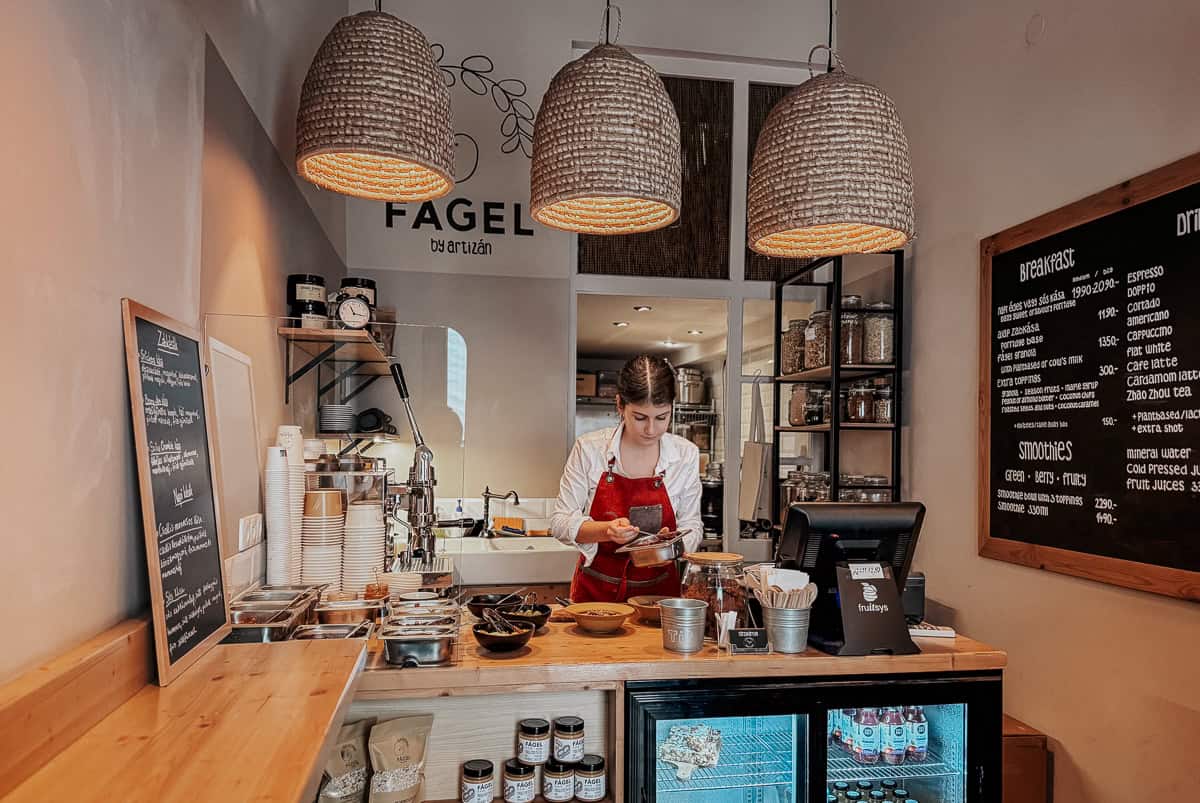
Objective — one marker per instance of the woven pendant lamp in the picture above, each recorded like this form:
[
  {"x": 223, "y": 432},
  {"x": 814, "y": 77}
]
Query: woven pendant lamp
[
  {"x": 606, "y": 156},
  {"x": 374, "y": 118},
  {"x": 831, "y": 172}
]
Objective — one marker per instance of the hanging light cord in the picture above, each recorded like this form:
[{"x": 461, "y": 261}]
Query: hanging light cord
[
  {"x": 609, "y": 8},
  {"x": 379, "y": 5},
  {"x": 829, "y": 64}
]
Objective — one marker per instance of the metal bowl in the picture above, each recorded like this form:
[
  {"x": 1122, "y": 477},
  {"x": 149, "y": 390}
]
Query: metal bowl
[{"x": 654, "y": 553}]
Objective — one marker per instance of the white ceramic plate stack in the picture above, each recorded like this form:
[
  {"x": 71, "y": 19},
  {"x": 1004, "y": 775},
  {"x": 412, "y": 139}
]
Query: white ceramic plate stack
[
  {"x": 363, "y": 547},
  {"x": 401, "y": 583},
  {"x": 281, "y": 542},
  {"x": 336, "y": 418},
  {"x": 289, "y": 437},
  {"x": 321, "y": 535}
]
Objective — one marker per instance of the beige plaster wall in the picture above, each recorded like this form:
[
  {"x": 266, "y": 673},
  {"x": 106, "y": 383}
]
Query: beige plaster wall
[
  {"x": 104, "y": 126},
  {"x": 1002, "y": 130}
]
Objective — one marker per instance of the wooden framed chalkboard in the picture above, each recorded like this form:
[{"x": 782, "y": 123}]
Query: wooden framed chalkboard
[
  {"x": 1089, "y": 387},
  {"x": 171, "y": 404}
]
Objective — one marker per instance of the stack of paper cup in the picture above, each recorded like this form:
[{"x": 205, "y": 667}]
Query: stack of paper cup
[
  {"x": 289, "y": 437},
  {"x": 363, "y": 547},
  {"x": 281, "y": 541},
  {"x": 322, "y": 534}
]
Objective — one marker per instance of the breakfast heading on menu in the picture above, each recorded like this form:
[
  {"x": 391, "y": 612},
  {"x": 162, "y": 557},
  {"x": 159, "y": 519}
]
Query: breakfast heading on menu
[{"x": 1046, "y": 265}]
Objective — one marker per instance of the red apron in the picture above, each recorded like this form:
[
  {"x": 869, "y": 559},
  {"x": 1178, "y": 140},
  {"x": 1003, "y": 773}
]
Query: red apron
[{"x": 612, "y": 577}]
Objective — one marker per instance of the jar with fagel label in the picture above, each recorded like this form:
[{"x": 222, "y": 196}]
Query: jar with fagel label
[
  {"x": 558, "y": 781},
  {"x": 568, "y": 739},
  {"x": 477, "y": 781},
  {"x": 304, "y": 287},
  {"x": 519, "y": 785},
  {"x": 312, "y": 314},
  {"x": 361, "y": 287},
  {"x": 590, "y": 781},
  {"x": 533, "y": 741}
]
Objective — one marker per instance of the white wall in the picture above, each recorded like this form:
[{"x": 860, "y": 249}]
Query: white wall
[
  {"x": 1002, "y": 131},
  {"x": 104, "y": 118}
]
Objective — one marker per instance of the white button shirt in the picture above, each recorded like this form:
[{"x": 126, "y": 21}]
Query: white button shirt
[{"x": 678, "y": 463}]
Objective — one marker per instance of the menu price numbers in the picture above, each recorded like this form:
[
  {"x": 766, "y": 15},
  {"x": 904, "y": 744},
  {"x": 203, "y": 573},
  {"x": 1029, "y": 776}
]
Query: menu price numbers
[
  {"x": 1108, "y": 421},
  {"x": 1093, "y": 288},
  {"x": 1107, "y": 313},
  {"x": 1108, "y": 341},
  {"x": 1104, "y": 510},
  {"x": 1108, "y": 370}
]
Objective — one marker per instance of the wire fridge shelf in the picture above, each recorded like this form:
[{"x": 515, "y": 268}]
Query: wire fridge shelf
[
  {"x": 842, "y": 767},
  {"x": 747, "y": 762}
]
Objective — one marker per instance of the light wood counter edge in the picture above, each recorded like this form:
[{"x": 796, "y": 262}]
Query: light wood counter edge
[{"x": 581, "y": 664}]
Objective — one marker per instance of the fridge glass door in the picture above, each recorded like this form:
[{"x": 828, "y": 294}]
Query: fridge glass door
[
  {"x": 749, "y": 759},
  {"x": 903, "y": 752}
]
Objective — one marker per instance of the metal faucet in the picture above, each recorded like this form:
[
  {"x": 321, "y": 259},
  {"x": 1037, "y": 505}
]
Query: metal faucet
[{"x": 488, "y": 496}]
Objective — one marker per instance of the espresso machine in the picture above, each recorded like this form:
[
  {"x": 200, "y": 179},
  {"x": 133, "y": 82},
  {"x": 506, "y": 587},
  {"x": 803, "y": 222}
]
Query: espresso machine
[{"x": 417, "y": 500}]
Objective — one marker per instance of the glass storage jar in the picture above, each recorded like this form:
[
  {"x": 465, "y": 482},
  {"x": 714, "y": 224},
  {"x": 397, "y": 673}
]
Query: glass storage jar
[
  {"x": 877, "y": 488},
  {"x": 796, "y": 405},
  {"x": 820, "y": 487},
  {"x": 790, "y": 490},
  {"x": 852, "y": 338},
  {"x": 814, "y": 407},
  {"x": 533, "y": 741},
  {"x": 861, "y": 406},
  {"x": 884, "y": 411},
  {"x": 590, "y": 780},
  {"x": 816, "y": 340},
  {"x": 558, "y": 781},
  {"x": 568, "y": 739},
  {"x": 519, "y": 782},
  {"x": 879, "y": 331},
  {"x": 827, "y": 408},
  {"x": 715, "y": 578},
  {"x": 791, "y": 351},
  {"x": 477, "y": 781},
  {"x": 852, "y": 301}
]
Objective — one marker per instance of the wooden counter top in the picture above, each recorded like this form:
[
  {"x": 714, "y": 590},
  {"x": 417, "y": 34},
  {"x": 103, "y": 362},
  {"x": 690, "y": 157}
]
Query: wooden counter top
[
  {"x": 564, "y": 656},
  {"x": 247, "y": 722}
]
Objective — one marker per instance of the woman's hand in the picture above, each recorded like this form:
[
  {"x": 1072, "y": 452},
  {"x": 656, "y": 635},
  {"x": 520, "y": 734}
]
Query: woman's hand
[{"x": 621, "y": 531}]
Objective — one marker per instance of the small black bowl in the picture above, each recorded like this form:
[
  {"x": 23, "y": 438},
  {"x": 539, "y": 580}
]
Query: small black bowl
[
  {"x": 481, "y": 602},
  {"x": 503, "y": 643},
  {"x": 538, "y": 615}
]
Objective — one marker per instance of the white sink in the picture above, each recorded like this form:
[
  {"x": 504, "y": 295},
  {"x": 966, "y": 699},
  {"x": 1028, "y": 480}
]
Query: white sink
[{"x": 495, "y": 561}]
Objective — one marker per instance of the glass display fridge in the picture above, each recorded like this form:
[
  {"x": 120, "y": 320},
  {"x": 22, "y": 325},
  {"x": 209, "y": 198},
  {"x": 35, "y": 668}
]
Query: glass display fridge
[{"x": 929, "y": 739}]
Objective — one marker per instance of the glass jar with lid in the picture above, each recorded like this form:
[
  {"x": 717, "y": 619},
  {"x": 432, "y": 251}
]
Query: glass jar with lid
[
  {"x": 715, "y": 578},
  {"x": 827, "y": 405},
  {"x": 879, "y": 334},
  {"x": 814, "y": 407},
  {"x": 820, "y": 487},
  {"x": 816, "y": 340},
  {"x": 852, "y": 338},
  {"x": 852, "y": 301},
  {"x": 790, "y": 490},
  {"x": 860, "y": 408},
  {"x": 791, "y": 351},
  {"x": 796, "y": 405},
  {"x": 885, "y": 412},
  {"x": 877, "y": 488}
]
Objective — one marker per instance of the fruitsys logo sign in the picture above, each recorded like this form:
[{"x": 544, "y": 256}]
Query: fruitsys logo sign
[{"x": 491, "y": 109}]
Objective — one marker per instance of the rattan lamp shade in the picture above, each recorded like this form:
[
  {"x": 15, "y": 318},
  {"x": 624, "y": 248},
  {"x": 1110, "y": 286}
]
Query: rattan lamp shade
[
  {"x": 831, "y": 173},
  {"x": 606, "y": 147},
  {"x": 374, "y": 118}
]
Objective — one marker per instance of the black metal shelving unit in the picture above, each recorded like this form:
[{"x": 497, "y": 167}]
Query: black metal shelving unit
[{"x": 834, "y": 373}]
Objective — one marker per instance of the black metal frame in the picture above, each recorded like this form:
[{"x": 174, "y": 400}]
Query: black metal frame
[{"x": 833, "y": 302}]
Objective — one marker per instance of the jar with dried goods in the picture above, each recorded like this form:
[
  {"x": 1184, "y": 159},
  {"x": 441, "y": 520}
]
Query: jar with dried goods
[
  {"x": 879, "y": 334},
  {"x": 796, "y": 405},
  {"x": 861, "y": 405},
  {"x": 852, "y": 338},
  {"x": 791, "y": 351},
  {"x": 715, "y": 577},
  {"x": 885, "y": 412},
  {"x": 816, "y": 340}
]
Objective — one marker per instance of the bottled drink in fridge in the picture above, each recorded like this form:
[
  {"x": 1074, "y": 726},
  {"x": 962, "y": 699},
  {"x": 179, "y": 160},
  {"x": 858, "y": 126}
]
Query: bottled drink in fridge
[
  {"x": 864, "y": 788},
  {"x": 866, "y": 736},
  {"x": 894, "y": 741},
  {"x": 848, "y": 718},
  {"x": 900, "y": 793},
  {"x": 835, "y": 727},
  {"x": 918, "y": 734},
  {"x": 889, "y": 789},
  {"x": 840, "y": 789}
]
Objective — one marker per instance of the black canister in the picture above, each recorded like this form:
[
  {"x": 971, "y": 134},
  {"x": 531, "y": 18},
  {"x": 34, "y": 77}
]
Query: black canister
[
  {"x": 359, "y": 286},
  {"x": 311, "y": 314},
  {"x": 304, "y": 287}
]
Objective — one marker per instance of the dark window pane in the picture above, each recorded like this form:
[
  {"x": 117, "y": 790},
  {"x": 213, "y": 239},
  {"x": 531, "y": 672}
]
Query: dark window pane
[{"x": 697, "y": 245}]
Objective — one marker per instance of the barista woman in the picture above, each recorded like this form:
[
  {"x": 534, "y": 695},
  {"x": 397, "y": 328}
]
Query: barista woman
[{"x": 616, "y": 481}]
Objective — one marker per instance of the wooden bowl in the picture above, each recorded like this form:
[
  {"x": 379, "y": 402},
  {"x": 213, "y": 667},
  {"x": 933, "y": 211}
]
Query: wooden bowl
[
  {"x": 600, "y": 617},
  {"x": 647, "y": 607}
]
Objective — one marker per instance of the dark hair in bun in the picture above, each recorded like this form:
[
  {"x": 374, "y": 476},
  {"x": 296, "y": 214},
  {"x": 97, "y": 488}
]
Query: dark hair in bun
[{"x": 647, "y": 379}]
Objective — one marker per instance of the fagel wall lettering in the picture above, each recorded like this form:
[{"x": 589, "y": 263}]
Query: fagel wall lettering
[{"x": 460, "y": 214}]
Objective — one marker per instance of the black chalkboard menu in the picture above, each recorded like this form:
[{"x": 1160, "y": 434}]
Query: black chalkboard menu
[
  {"x": 1090, "y": 387},
  {"x": 169, "y": 395}
]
